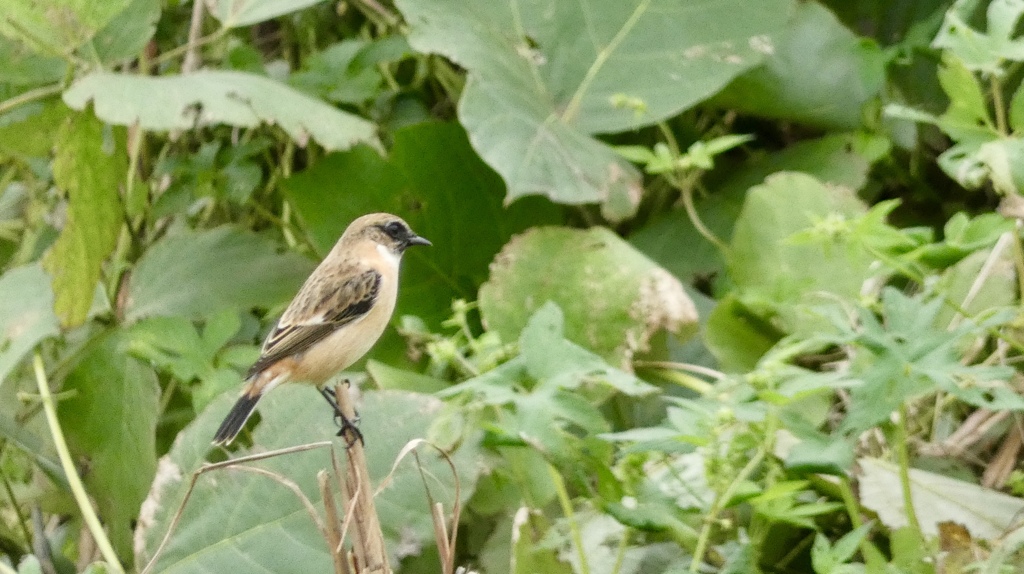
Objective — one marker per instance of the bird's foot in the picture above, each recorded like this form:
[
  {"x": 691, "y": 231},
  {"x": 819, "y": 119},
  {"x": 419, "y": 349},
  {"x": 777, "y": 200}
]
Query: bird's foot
[{"x": 346, "y": 428}]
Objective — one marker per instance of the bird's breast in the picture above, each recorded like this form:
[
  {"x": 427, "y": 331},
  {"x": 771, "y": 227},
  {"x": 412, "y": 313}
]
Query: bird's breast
[{"x": 349, "y": 343}]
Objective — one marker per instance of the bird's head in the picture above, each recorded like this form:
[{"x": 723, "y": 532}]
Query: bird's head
[{"x": 386, "y": 230}]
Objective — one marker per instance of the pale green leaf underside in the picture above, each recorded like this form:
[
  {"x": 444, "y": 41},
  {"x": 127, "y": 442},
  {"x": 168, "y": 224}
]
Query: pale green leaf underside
[
  {"x": 235, "y": 13},
  {"x": 211, "y": 97},
  {"x": 987, "y": 514}
]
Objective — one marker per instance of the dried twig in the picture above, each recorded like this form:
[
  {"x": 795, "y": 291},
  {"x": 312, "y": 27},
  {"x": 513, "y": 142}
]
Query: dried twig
[
  {"x": 191, "y": 61},
  {"x": 334, "y": 539},
  {"x": 369, "y": 551}
]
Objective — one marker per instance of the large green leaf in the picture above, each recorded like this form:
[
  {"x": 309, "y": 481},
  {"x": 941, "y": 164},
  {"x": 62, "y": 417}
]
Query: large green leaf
[
  {"x": 791, "y": 248},
  {"x": 434, "y": 180},
  {"x": 197, "y": 273},
  {"x": 56, "y": 26},
  {"x": 26, "y": 314},
  {"x": 820, "y": 74},
  {"x": 109, "y": 417},
  {"x": 615, "y": 299},
  {"x": 235, "y": 13},
  {"x": 217, "y": 96},
  {"x": 91, "y": 175},
  {"x": 239, "y": 518},
  {"x": 545, "y": 76},
  {"x": 767, "y": 261}
]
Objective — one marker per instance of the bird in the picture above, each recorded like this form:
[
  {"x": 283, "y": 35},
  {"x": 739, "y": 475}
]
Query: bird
[{"x": 336, "y": 317}]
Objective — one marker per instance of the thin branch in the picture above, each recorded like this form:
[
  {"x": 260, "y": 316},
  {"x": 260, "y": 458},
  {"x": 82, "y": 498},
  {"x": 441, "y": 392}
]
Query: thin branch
[
  {"x": 30, "y": 96},
  {"x": 77, "y": 488},
  {"x": 191, "y": 61}
]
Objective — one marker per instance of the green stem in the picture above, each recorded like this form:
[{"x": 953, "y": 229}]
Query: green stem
[
  {"x": 691, "y": 212},
  {"x": 903, "y": 455},
  {"x": 22, "y": 519},
  {"x": 574, "y": 528},
  {"x": 998, "y": 106},
  {"x": 30, "y": 96},
  {"x": 77, "y": 488},
  {"x": 716, "y": 508},
  {"x": 872, "y": 557},
  {"x": 686, "y": 381},
  {"x": 172, "y": 54},
  {"x": 620, "y": 555}
]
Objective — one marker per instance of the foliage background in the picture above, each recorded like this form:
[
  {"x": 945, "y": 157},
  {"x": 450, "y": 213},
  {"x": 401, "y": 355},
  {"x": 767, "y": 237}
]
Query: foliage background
[{"x": 716, "y": 285}]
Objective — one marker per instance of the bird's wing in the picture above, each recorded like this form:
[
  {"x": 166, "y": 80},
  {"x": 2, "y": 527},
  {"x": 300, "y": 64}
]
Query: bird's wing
[{"x": 318, "y": 310}]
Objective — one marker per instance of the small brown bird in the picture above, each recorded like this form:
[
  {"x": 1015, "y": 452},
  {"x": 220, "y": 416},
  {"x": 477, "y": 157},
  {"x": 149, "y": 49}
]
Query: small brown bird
[{"x": 337, "y": 316}]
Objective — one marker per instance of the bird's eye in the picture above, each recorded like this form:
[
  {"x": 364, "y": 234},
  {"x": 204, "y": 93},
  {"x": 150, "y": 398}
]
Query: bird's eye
[{"x": 395, "y": 230}]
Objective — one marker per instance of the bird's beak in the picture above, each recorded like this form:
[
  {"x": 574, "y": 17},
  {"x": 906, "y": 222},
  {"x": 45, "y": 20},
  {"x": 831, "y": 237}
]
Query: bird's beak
[{"x": 417, "y": 240}]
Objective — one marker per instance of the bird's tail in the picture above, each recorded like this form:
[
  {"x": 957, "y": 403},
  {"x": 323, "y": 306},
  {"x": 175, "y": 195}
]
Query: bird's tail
[{"x": 235, "y": 420}]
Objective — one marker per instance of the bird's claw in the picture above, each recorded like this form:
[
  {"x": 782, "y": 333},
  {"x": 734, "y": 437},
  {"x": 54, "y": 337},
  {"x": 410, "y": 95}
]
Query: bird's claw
[{"x": 346, "y": 428}]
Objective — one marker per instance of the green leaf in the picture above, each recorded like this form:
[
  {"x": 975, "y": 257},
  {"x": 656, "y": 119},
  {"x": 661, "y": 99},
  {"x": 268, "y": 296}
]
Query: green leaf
[
  {"x": 91, "y": 175},
  {"x": 965, "y": 285},
  {"x": 127, "y": 34},
  {"x": 982, "y": 52},
  {"x": 765, "y": 261},
  {"x": 237, "y": 13},
  {"x": 548, "y": 360},
  {"x": 905, "y": 356},
  {"x": 963, "y": 236},
  {"x": 439, "y": 185},
  {"x": 203, "y": 97},
  {"x": 56, "y": 27},
  {"x": 394, "y": 379},
  {"x": 26, "y": 314},
  {"x": 828, "y": 559},
  {"x": 221, "y": 526},
  {"x": 967, "y": 116},
  {"x": 1016, "y": 111},
  {"x": 538, "y": 89},
  {"x": 110, "y": 420},
  {"x": 820, "y": 74},
  {"x": 195, "y": 274},
  {"x": 21, "y": 66},
  {"x": 554, "y": 361},
  {"x": 34, "y": 446},
  {"x": 347, "y": 72},
  {"x": 551, "y": 389},
  {"x": 527, "y": 554},
  {"x": 823, "y": 455},
  {"x": 986, "y": 513},
  {"x": 737, "y": 336},
  {"x": 614, "y": 298},
  {"x": 1004, "y": 159}
]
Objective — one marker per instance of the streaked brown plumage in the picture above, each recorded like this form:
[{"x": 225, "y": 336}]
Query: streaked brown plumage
[{"x": 336, "y": 317}]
